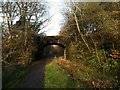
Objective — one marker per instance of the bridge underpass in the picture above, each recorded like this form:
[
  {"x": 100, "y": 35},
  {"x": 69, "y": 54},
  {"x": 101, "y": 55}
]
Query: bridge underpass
[{"x": 52, "y": 47}]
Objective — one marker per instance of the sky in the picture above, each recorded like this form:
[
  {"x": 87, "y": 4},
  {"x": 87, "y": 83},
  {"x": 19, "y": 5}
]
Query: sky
[{"x": 55, "y": 10}]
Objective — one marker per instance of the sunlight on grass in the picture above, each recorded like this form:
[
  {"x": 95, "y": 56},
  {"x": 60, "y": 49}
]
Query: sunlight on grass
[{"x": 56, "y": 77}]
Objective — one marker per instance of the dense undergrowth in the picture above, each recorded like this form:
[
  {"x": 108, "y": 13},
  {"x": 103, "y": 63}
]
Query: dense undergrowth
[
  {"x": 88, "y": 76},
  {"x": 61, "y": 73},
  {"x": 14, "y": 75},
  {"x": 109, "y": 66}
]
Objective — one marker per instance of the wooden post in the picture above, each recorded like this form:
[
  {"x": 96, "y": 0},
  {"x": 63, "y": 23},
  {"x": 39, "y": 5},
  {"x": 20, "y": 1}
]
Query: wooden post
[{"x": 65, "y": 53}]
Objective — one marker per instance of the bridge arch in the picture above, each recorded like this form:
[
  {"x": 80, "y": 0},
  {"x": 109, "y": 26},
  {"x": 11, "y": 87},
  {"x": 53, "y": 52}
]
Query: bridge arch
[
  {"x": 59, "y": 44},
  {"x": 50, "y": 50}
]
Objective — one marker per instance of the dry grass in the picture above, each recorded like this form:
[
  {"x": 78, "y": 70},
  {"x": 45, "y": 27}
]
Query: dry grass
[{"x": 86, "y": 75}]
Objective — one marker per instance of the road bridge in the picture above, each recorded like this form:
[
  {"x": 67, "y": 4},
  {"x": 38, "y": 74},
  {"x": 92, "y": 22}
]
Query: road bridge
[{"x": 49, "y": 41}]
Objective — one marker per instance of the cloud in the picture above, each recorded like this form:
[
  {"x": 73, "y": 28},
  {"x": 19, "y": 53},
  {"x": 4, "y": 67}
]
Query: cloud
[{"x": 55, "y": 10}]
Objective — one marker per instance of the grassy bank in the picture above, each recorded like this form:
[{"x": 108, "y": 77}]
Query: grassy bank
[
  {"x": 57, "y": 77},
  {"x": 89, "y": 77}
]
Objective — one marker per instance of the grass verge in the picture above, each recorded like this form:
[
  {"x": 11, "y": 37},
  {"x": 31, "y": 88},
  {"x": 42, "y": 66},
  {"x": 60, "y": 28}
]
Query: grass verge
[{"x": 57, "y": 77}]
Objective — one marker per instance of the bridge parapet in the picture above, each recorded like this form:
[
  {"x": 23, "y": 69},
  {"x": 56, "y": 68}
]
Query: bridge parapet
[{"x": 53, "y": 40}]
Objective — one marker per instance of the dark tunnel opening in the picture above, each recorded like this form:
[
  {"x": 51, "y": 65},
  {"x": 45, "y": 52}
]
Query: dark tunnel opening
[{"x": 53, "y": 50}]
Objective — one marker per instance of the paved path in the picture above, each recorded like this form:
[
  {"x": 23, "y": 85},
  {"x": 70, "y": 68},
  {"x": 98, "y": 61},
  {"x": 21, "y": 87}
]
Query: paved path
[{"x": 35, "y": 79}]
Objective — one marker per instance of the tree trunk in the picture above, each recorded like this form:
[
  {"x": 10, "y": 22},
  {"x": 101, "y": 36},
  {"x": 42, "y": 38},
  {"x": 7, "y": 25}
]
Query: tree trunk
[{"x": 76, "y": 20}]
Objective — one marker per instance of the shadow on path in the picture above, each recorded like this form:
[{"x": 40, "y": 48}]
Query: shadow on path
[{"x": 34, "y": 79}]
